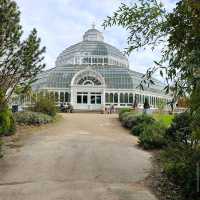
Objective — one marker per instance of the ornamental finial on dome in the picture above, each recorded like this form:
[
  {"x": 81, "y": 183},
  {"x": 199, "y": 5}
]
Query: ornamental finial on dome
[
  {"x": 93, "y": 25},
  {"x": 93, "y": 34}
]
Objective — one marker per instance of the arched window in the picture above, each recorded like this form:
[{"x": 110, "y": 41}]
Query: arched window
[
  {"x": 111, "y": 97},
  {"x": 121, "y": 98},
  {"x": 62, "y": 97},
  {"x": 66, "y": 97},
  {"x": 107, "y": 98},
  {"x": 143, "y": 98},
  {"x": 126, "y": 97},
  {"x": 130, "y": 98},
  {"x": 115, "y": 98}
]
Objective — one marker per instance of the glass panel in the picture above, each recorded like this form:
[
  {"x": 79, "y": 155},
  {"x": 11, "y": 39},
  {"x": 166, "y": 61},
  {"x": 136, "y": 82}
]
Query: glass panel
[
  {"x": 111, "y": 98},
  {"x": 98, "y": 99},
  {"x": 85, "y": 99},
  {"x": 107, "y": 97},
  {"x": 116, "y": 98},
  {"x": 130, "y": 98},
  {"x": 62, "y": 97},
  {"x": 66, "y": 97},
  {"x": 92, "y": 99},
  {"x": 121, "y": 98},
  {"x": 126, "y": 98},
  {"x": 79, "y": 99}
]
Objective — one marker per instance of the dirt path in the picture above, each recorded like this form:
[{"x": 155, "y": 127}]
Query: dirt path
[{"x": 84, "y": 157}]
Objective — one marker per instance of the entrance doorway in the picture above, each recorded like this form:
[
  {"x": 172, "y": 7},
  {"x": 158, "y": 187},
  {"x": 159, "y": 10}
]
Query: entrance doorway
[{"x": 89, "y": 100}]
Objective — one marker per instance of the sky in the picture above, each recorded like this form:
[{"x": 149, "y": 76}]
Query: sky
[{"x": 61, "y": 23}]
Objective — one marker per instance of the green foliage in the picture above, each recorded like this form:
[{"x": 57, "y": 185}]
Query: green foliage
[
  {"x": 129, "y": 120},
  {"x": 180, "y": 130},
  {"x": 143, "y": 20},
  {"x": 21, "y": 60},
  {"x": 122, "y": 115},
  {"x": 145, "y": 118},
  {"x": 164, "y": 118},
  {"x": 32, "y": 118},
  {"x": 149, "y": 24},
  {"x": 7, "y": 122},
  {"x": 138, "y": 129},
  {"x": 45, "y": 105},
  {"x": 123, "y": 110},
  {"x": 180, "y": 164},
  {"x": 124, "y": 118},
  {"x": 152, "y": 136},
  {"x": 161, "y": 105}
]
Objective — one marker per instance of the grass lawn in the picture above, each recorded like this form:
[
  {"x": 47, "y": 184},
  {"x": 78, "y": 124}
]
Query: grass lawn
[{"x": 165, "y": 118}]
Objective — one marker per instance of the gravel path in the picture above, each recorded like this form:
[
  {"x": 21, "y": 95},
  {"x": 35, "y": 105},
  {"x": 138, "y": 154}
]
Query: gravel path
[{"x": 83, "y": 157}]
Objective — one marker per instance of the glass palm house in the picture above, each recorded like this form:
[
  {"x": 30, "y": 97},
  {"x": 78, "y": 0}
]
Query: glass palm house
[{"x": 93, "y": 74}]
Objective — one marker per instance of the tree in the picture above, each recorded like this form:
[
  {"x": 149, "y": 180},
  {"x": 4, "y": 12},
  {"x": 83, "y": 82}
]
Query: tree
[
  {"x": 149, "y": 24},
  {"x": 20, "y": 60}
]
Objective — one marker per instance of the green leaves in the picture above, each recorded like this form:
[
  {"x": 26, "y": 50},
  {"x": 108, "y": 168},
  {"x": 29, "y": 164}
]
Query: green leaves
[
  {"x": 20, "y": 60},
  {"x": 144, "y": 21}
]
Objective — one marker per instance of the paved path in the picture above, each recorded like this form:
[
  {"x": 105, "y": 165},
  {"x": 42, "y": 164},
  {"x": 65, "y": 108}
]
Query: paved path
[{"x": 84, "y": 157}]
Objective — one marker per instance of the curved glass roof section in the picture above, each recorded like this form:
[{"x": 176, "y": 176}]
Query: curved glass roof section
[
  {"x": 115, "y": 77},
  {"x": 99, "y": 56},
  {"x": 92, "y": 51}
]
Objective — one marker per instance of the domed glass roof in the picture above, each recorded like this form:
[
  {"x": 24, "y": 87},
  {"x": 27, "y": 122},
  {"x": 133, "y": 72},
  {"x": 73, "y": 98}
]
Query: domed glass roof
[
  {"x": 93, "y": 55},
  {"x": 92, "y": 51}
]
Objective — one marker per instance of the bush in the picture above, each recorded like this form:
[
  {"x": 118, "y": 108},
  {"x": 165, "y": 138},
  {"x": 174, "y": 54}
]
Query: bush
[
  {"x": 152, "y": 135},
  {"x": 7, "y": 122},
  {"x": 123, "y": 116},
  {"x": 180, "y": 164},
  {"x": 129, "y": 119},
  {"x": 122, "y": 111},
  {"x": 138, "y": 129},
  {"x": 165, "y": 118},
  {"x": 180, "y": 129},
  {"x": 140, "y": 123},
  {"x": 45, "y": 105},
  {"x": 32, "y": 118}
]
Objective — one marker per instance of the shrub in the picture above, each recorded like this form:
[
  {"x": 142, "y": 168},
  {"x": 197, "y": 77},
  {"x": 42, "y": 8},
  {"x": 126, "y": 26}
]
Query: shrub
[
  {"x": 180, "y": 129},
  {"x": 152, "y": 135},
  {"x": 122, "y": 111},
  {"x": 165, "y": 118},
  {"x": 138, "y": 129},
  {"x": 180, "y": 164},
  {"x": 140, "y": 123},
  {"x": 45, "y": 105},
  {"x": 145, "y": 118},
  {"x": 32, "y": 118},
  {"x": 129, "y": 119},
  {"x": 7, "y": 122},
  {"x": 123, "y": 116}
]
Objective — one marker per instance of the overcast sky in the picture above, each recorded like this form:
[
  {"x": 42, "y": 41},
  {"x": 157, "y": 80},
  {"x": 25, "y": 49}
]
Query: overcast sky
[{"x": 61, "y": 23}]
